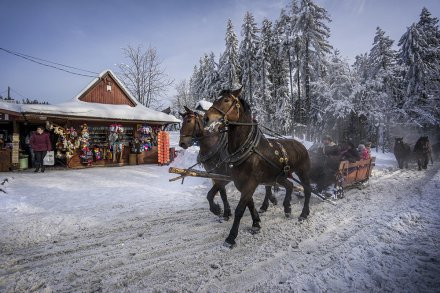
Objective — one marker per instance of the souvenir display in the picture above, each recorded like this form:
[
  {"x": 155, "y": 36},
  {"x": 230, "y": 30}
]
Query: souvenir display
[
  {"x": 98, "y": 143},
  {"x": 163, "y": 142},
  {"x": 145, "y": 138}
]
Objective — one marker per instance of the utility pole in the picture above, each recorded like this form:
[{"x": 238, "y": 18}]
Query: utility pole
[{"x": 9, "y": 92}]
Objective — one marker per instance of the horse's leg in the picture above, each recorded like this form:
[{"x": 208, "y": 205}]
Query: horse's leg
[
  {"x": 288, "y": 197},
  {"x": 226, "y": 207},
  {"x": 213, "y": 207},
  {"x": 255, "y": 217},
  {"x": 268, "y": 196},
  {"x": 419, "y": 163},
  {"x": 246, "y": 195},
  {"x": 425, "y": 161},
  {"x": 305, "y": 180}
]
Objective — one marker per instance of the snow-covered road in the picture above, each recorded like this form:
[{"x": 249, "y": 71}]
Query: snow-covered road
[{"x": 128, "y": 230}]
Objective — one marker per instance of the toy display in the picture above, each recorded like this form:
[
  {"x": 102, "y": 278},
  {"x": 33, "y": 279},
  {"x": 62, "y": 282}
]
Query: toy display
[{"x": 108, "y": 143}]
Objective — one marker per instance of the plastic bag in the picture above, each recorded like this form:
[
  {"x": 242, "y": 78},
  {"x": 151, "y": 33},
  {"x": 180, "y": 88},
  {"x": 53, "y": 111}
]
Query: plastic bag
[{"x": 49, "y": 159}]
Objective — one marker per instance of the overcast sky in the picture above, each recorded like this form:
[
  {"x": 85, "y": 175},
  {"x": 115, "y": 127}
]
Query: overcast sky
[{"x": 91, "y": 34}]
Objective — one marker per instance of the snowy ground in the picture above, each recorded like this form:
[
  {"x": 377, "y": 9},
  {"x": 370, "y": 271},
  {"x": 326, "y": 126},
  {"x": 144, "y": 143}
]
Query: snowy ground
[{"x": 127, "y": 230}]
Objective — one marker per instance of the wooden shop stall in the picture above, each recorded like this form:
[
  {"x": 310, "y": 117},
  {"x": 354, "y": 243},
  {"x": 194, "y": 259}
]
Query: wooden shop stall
[
  {"x": 10, "y": 118},
  {"x": 103, "y": 125}
]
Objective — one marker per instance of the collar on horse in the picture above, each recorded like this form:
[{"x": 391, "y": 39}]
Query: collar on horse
[{"x": 218, "y": 150}]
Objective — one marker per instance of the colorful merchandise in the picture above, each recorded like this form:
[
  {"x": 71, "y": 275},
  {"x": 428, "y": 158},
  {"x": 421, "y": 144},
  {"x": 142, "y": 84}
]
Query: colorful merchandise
[{"x": 163, "y": 142}]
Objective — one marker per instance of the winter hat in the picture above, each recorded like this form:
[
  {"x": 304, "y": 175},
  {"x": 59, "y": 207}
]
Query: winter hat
[{"x": 361, "y": 147}]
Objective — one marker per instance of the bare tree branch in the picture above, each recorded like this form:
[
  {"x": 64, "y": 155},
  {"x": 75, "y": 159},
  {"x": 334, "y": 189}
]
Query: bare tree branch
[{"x": 144, "y": 76}]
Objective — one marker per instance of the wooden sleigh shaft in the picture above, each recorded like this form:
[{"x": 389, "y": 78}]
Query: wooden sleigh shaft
[
  {"x": 203, "y": 174},
  {"x": 196, "y": 173}
]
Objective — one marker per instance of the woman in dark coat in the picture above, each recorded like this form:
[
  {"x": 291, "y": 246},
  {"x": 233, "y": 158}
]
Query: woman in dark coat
[{"x": 40, "y": 143}]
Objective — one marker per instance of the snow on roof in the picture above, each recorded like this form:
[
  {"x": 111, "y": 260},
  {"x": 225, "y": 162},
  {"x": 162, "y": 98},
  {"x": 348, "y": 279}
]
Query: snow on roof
[
  {"x": 203, "y": 105},
  {"x": 95, "y": 110},
  {"x": 75, "y": 107},
  {"x": 10, "y": 106}
]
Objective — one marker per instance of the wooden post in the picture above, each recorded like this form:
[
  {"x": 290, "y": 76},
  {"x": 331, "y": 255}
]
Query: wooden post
[{"x": 15, "y": 145}]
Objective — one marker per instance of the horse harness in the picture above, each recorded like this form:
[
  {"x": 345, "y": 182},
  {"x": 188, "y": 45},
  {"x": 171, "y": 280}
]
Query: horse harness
[
  {"x": 219, "y": 146},
  {"x": 251, "y": 143},
  {"x": 197, "y": 125}
]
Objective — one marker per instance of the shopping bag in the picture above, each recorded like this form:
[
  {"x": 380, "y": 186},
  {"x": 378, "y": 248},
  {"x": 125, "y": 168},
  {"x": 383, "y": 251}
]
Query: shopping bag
[{"x": 49, "y": 159}]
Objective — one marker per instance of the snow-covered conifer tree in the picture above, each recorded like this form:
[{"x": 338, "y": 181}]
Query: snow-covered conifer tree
[
  {"x": 248, "y": 57},
  {"x": 228, "y": 63},
  {"x": 311, "y": 24}
]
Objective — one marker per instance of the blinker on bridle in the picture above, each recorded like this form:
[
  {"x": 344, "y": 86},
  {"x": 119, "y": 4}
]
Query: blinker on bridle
[
  {"x": 197, "y": 122},
  {"x": 235, "y": 104}
]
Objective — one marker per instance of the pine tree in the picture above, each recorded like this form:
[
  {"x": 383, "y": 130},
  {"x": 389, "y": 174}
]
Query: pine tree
[
  {"x": 248, "y": 57},
  {"x": 264, "y": 88},
  {"x": 311, "y": 24},
  {"x": 280, "y": 75},
  {"x": 333, "y": 94},
  {"x": 228, "y": 63},
  {"x": 419, "y": 53}
]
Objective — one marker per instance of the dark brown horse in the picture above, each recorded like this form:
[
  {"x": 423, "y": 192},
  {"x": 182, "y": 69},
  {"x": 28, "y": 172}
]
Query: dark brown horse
[
  {"x": 422, "y": 151},
  {"x": 402, "y": 152},
  {"x": 255, "y": 160},
  {"x": 211, "y": 156}
]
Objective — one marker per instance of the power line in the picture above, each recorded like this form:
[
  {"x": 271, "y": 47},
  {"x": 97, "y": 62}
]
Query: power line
[
  {"x": 30, "y": 58},
  {"x": 19, "y": 94}
]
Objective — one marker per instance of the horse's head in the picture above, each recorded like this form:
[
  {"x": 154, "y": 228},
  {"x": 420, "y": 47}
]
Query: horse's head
[
  {"x": 423, "y": 144},
  {"x": 398, "y": 140},
  {"x": 191, "y": 129},
  {"x": 227, "y": 108}
]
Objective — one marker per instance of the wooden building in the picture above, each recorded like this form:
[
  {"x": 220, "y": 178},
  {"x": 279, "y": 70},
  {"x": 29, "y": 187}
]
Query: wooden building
[{"x": 101, "y": 105}]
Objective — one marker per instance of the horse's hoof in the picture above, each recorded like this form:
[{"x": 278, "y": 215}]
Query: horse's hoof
[
  {"x": 226, "y": 218},
  {"x": 261, "y": 211},
  {"x": 229, "y": 245},
  {"x": 255, "y": 230},
  {"x": 274, "y": 201},
  {"x": 287, "y": 215},
  {"x": 302, "y": 219},
  {"x": 216, "y": 210}
]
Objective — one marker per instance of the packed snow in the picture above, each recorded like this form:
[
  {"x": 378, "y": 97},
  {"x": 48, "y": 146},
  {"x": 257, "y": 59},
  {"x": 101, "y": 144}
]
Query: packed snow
[{"x": 127, "y": 229}]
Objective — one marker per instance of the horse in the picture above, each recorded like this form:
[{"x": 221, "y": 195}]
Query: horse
[
  {"x": 255, "y": 160},
  {"x": 211, "y": 156},
  {"x": 402, "y": 152},
  {"x": 325, "y": 162},
  {"x": 422, "y": 151}
]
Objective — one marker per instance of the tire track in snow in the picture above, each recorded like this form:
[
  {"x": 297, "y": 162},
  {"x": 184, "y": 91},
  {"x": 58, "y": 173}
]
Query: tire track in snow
[{"x": 335, "y": 249}]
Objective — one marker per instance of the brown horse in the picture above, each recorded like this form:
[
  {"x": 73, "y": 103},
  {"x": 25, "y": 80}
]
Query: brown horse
[
  {"x": 402, "y": 152},
  {"x": 422, "y": 151},
  {"x": 255, "y": 160},
  {"x": 211, "y": 156}
]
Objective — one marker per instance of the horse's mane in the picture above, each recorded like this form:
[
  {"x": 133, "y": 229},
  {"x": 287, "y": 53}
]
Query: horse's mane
[
  {"x": 244, "y": 103},
  {"x": 246, "y": 106},
  {"x": 420, "y": 142}
]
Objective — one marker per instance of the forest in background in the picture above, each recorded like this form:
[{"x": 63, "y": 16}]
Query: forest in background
[{"x": 298, "y": 84}]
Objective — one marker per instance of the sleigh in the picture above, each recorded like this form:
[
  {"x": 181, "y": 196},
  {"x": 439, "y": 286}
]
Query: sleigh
[{"x": 350, "y": 175}]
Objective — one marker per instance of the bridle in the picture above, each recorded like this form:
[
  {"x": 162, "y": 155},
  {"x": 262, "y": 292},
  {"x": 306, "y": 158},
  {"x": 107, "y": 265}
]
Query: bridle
[
  {"x": 235, "y": 105},
  {"x": 197, "y": 125}
]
